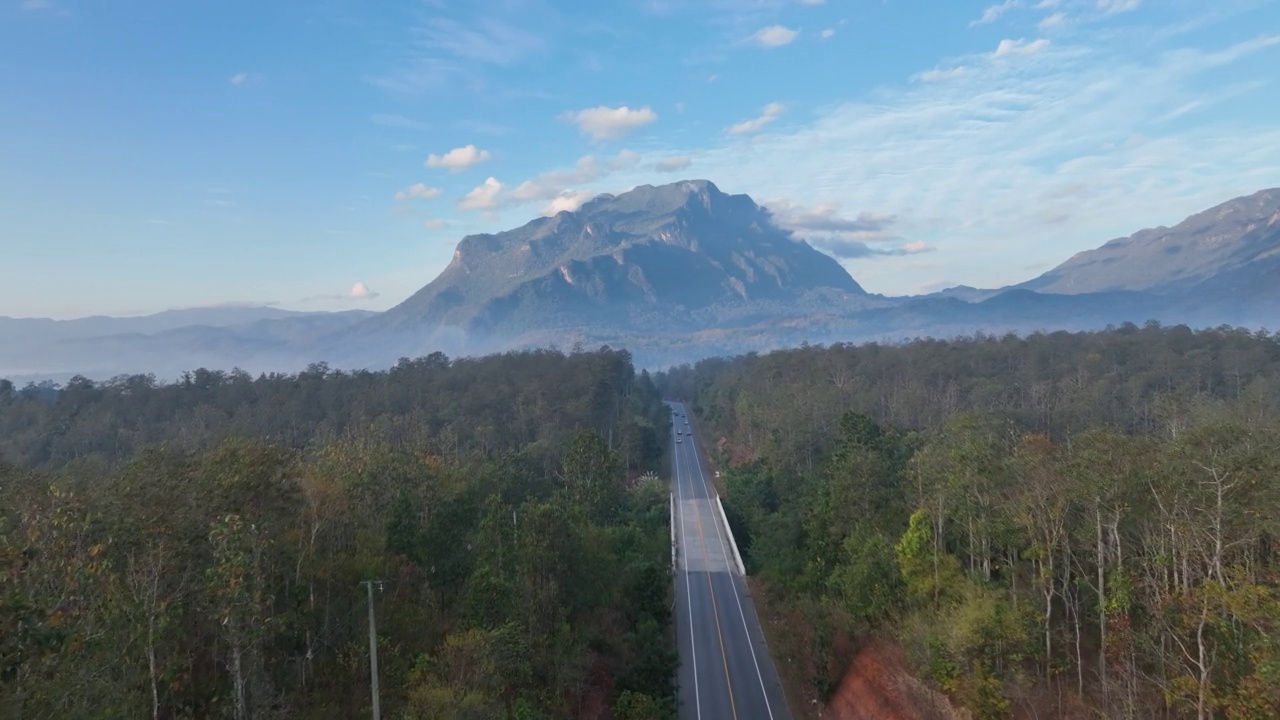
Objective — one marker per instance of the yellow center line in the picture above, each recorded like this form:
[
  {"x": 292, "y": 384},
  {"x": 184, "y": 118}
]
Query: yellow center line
[{"x": 724, "y": 657}]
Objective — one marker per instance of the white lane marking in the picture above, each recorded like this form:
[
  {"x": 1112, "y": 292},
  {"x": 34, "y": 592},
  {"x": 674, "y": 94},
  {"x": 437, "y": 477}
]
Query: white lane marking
[
  {"x": 742, "y": 614},
  {"x": 693, "y": 645}
]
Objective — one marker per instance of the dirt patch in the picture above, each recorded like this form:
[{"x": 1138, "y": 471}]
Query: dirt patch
[
  {"x": 878, "y": 686},
  {"x": 737, "y": 454},
  {"x": 594, "y": 705}
]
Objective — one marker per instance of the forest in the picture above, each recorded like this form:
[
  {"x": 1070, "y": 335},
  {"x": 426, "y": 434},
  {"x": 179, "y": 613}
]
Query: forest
[
  {"x": 199, "y": 549},
  {"x": 1053, "y": 526}
]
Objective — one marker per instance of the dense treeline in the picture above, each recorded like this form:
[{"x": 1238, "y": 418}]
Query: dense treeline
[
  {"x": 1130, "y": 378},
  {"x": 1061, "y": 525},
  {"x": 196, "y": 550},
  {"x": 458, "y": 408}
]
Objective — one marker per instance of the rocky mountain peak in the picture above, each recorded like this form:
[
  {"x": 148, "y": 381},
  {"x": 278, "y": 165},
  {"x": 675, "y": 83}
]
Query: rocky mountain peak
[{"x": 682, "y": 245}]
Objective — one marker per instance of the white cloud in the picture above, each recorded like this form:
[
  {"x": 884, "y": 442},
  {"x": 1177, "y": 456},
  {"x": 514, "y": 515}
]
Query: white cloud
[
  {"x": 1007, "y": 48},
  {"x": 491, "y": 42},
  {"x": 993, "y": 12},
  {"x": 568, "y": 201},
  {"x": 239, "y": 78},
  {"x": 828, "y": 34},
  {"x": 824, "y": 219},
  {"x": 360, "y": 291},
  {"x": 970, "y": 165},
  {"x": 812, "y": 2},
  {"x": 557, "y": 183},
  {"x": 436, "y": 224},
  {"x": 483, "y": 197},
  {"x": 418, "y": 191},
  {"x": 1046, "y": 4},
  {"x": 1111, "y": 7},
  {"x": 673, "y": 164},
  {"x": 771, "y": 112},
  {"x": 397, "y": 121},
  {"x": 458, "y": 159},
  {"x": 606, "y": 123},
  {"x": 775, "y": 36},
  {"x": 938, "y": 74},
  {"x": 1052, "y": 21}
]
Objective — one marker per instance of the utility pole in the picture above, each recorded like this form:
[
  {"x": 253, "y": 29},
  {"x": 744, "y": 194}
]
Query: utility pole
[{"x": 373, "y": 648}]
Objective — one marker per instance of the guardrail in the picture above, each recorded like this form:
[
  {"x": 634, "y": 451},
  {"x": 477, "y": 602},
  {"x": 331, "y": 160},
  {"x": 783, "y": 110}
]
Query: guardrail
[
  {"x": 671, "y": 520},
  {"x": 733, "y": 544}
]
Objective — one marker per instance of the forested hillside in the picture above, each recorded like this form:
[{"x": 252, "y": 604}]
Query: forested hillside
[
  {"x": 1065, "y": 525},
  {"x": 197, "y": 550}
]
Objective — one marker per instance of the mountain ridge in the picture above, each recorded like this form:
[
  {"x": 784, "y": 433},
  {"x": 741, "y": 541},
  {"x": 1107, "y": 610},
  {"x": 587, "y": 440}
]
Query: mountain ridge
[
  {"x": 668, "y": 249},
  {"x": 678, "y": 272},
  {"x": 1228, "y": 237}
]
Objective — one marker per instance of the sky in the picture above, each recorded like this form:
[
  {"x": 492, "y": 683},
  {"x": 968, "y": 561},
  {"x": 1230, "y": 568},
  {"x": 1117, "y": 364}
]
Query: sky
[{"x": 329, "y": 155}]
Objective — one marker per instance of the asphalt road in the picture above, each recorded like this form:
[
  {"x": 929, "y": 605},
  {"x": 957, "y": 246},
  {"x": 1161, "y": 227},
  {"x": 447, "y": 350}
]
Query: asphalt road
[{"x": 726, "y": 672}]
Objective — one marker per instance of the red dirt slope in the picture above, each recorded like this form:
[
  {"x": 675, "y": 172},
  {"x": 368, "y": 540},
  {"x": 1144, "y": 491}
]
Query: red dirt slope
[{"x": 877, "y": 686}]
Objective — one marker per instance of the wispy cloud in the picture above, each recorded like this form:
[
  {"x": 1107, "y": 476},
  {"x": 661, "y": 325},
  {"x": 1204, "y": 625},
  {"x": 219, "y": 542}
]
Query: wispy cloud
[
  {"x": 606, "y": 123},
  {"x": 825, "y": 219},
  {"x": 1052, "y": 21},
  {"x": 850, "y": 249},
  {"x": 1111, "y": 7},
  {"x": 828, "y": 33},
  {"x": 771, "y": 112},
  {"x": 418, "y": 191},
  {"x": 993, "y": 12},
  {"x": 569, "y": 201},
  {"x": 436, "y": 224},
  {"x": 775, "y": 36},
  {"x": 243, "y": 78},
  {"x": 969, "y": 165},
  {"x": 1008, "y": 48},
  {"x": 561, "y": 183},
  {"x": 44, "y": 6},
  {"x": 940, "y": 74},
  {"x": 458, "y": 159},
  {"x": 672, "y": 164},
  {"x": 483, "y": 197},
  {"x": 490, "y": 41}
]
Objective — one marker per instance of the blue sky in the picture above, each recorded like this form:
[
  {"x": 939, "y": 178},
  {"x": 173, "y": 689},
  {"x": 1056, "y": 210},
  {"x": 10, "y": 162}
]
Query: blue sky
[{"x": 159, "y": 155}]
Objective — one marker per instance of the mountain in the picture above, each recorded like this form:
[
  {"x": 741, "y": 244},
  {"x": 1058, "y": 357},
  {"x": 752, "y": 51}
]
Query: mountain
[
  {"x": 168, "y": 343},
  {"x": 1233, "y": 247},
  {"x": 44, "y": 329},
  {"x": 685, "y": 253},
  {"x": 675, "y": 273}
]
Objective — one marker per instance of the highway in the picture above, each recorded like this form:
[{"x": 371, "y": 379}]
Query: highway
[{"x": 726, "y": 672}]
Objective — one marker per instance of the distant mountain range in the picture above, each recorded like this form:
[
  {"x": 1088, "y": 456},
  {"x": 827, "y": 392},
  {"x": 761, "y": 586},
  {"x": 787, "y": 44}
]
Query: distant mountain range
[{"x": 675, "y": 273}]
